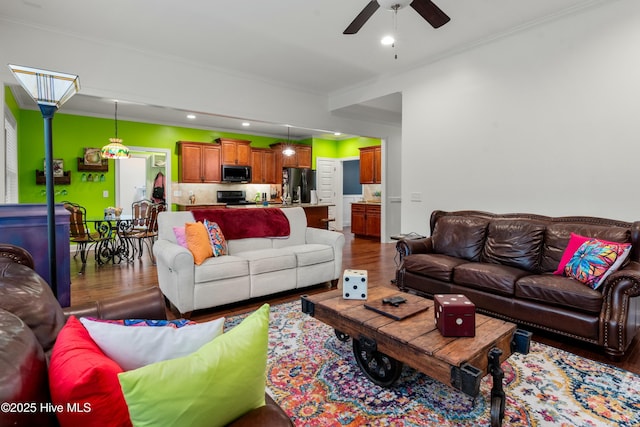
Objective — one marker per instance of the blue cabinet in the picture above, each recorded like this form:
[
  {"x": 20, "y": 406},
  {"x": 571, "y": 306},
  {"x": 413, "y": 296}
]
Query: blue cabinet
[{"x": 25, "y": 225}]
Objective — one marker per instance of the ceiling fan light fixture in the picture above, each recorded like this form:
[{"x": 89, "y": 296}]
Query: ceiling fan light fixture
[{"x": 394, "y": 4}]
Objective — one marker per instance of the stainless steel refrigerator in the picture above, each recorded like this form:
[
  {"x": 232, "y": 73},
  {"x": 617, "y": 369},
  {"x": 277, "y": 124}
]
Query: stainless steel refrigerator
[{"x": 297, "y": 184}]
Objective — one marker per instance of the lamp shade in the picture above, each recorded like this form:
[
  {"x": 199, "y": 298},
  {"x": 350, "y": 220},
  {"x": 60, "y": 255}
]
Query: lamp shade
[
  {"x": 46, "y": 87},
  {"x": 115, "y": 150}
]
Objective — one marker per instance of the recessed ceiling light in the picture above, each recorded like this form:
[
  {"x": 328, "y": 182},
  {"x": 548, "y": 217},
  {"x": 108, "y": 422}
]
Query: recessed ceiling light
[
  {"x": 388, "y": 40},
  {"x": 191, "y": 116},
  {"x": 337, "y": 133},
  {"x": 246, "y": 124}
]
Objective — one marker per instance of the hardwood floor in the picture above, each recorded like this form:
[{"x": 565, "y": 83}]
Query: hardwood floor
[{"x": 379, "y": 259}]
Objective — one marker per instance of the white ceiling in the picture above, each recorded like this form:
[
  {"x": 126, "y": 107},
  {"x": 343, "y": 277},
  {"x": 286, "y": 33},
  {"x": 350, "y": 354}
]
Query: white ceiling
[{"x": 295, "y": 43}]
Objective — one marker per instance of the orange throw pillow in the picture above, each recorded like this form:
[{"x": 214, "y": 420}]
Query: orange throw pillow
[{"x": 198, "y": 241}]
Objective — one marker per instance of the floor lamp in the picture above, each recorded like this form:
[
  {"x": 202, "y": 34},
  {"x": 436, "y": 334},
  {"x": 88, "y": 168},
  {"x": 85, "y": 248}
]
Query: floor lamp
[{"x": 50, "y": 90}]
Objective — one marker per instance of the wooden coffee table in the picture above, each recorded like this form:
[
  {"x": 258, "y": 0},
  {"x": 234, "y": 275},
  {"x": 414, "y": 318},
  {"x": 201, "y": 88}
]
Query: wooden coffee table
[{"x": 381, "y": 344}]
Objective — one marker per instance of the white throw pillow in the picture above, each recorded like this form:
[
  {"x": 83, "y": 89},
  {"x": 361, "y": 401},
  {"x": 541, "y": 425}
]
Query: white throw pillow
[{"x": 132, "y": 347}]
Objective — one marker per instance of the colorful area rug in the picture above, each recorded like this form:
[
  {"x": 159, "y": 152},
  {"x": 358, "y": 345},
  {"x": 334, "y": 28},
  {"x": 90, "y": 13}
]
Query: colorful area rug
[{"x": 314, "y": 377}]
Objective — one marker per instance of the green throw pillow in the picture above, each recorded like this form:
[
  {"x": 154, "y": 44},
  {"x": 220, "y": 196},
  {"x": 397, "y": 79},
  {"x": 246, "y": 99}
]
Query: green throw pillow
[{"x": 213, "y": 386}]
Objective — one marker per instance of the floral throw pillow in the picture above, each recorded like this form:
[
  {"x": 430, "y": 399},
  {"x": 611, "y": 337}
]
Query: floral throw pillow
[
  {"x": 218, "y": 242},
  {"x": 595, "y": 260}
]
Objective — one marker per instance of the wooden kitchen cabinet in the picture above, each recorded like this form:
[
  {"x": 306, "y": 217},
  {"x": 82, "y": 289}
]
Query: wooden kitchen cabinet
[
  {"x": 371, "y": 165},
  {"x": 235, "y": 151},
  {"x": 365, "y": 219},
  {"x": 301, "y": 159},
  {"x": 263, "y": 166},
  {"x": 198, "y": 162}
]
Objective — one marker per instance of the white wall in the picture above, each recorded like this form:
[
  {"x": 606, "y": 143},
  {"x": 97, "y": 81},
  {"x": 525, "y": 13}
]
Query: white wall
[{"x": 545, "y": 121}]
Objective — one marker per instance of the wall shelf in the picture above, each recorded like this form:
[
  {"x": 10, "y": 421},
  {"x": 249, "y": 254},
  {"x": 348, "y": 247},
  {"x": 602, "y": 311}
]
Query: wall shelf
[
  {"x": 104, "y": 167},
  {"x": 57, "y": 180}
]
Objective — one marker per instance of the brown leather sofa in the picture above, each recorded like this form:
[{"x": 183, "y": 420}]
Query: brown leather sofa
[
  {"x": 504, "y": 263},
  {"x": 30, "y": 319}
]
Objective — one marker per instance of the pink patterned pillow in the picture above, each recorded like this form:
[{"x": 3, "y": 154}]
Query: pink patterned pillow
[
  {"x": 218, "y": 242},
  {"x": 181, "y": 238},
  {"x": 595, "y": 260}
]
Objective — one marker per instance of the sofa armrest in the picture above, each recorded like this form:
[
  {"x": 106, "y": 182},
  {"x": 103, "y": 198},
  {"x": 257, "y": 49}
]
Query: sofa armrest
[
  {"x": 145, "y": 304},
  {"x": 414, "y": 246},
  {"x": 269, "y": 415},
  {"x": 176, "y": 274},
  {"x": 330, "y": 238},
  {"x": 619, "y": 327}
]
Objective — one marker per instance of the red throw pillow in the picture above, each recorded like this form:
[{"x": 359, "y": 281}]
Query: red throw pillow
[{"x": 84, "y": 382}]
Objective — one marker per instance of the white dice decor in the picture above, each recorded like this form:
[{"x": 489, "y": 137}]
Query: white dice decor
[{"x": 354, "y": 284}]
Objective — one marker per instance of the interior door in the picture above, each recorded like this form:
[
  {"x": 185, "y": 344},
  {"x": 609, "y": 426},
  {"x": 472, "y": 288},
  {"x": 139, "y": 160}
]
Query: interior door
[
  {"x": 132, "y": 181},
  {"x": 327, "y": 179}
]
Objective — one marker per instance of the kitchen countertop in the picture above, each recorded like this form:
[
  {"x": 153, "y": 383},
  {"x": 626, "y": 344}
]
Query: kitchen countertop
[{"x": 280, "y": 205}]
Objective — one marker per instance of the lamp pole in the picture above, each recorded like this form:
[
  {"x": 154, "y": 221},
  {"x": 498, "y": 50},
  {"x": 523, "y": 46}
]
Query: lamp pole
[
  {"x": 49, "y": 89},
  {"x": 47, "y": 114}
]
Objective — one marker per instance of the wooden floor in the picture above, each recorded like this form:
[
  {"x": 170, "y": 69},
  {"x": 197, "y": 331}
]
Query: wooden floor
[{"x": 379, "y": 259}]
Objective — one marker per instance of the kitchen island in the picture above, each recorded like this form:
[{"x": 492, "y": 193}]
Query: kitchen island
[{"x": 317, "y": 215}]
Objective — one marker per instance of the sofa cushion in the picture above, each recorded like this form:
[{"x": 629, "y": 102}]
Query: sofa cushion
[
  {"x": 436, "y": 266},
  {"x": 222, "y": 267},
  {"x": 81, "y": 374},
  {"x": 298, "y": 223},
  {"x": 24, "y": 293},
  {"x": 149, "y": 344},
  {"x": 595, "y": 260},
  {"x": 198, "y": 241},
  {"x": 311, "y": 254},
  {"x": 494, "y": 278},
  {"x": 514, "y": 242},
  {"x": 211, "y": 387},
  {"x": 557, "y": 237},
  {"x": 23, "y": 373},
  {"x": 268, "y": 260},
  {"x": 460, "y": 236},
  {"x": 560, "y": 291}
]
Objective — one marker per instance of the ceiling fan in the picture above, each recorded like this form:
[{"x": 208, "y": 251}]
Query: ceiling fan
[{"x": 429, "y": 11}]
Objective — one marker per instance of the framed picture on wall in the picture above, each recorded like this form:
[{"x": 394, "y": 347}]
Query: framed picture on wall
[
  {"x": 92, "y": 157},
  {"x": 58, "y": 167}
]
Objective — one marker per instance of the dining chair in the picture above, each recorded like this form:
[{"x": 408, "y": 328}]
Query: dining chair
[
  {"x": 140, "y": 214},
  {"x": 80, "y": 234},
  {"x": 149, "y": 231}
]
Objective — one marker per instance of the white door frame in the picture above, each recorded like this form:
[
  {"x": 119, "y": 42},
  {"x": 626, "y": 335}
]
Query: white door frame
[{"x": 167, "y": 187}]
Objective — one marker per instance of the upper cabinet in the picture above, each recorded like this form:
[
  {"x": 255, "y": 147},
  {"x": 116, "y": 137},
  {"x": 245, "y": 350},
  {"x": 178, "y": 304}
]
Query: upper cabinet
[
  {"x": 235, "y": 151},
  {"x": 371, "y": 165},
  {"x": 263, "y": 166},
  {"x": 301, "y": 158},
  {"x": 198, "y": 162}
]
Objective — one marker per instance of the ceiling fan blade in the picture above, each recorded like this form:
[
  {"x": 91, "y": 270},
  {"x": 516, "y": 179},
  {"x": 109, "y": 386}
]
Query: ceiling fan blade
[
  {"x": 430, "y": 12},
  {"x": 362, "y": 17}
]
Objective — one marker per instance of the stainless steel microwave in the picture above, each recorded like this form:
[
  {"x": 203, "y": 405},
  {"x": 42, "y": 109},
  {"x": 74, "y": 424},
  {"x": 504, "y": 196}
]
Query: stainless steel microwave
[{"x": 232, "y": 173}]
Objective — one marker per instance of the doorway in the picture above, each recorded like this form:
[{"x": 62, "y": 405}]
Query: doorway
[
  {"x": 135, "y": 176},
  {"x": 328, "y": 174}
]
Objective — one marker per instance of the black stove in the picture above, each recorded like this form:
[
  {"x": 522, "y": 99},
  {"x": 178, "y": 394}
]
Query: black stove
[{"x": 233, "y": 197}]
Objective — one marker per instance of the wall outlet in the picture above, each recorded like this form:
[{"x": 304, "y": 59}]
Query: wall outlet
[
  {"x": 416, "y": 197},
  {"x": 105, "y": 193},
  {"x": 177, "y": 193}
]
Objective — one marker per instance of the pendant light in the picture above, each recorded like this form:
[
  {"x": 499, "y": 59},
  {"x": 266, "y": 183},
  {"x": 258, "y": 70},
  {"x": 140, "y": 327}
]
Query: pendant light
[
  {"x": 288, "y": 149},
  {"x": 115, "y": 149}
]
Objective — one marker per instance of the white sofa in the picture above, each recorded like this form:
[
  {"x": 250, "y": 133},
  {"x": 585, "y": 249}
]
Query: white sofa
[{"x": 253, "y": 267}]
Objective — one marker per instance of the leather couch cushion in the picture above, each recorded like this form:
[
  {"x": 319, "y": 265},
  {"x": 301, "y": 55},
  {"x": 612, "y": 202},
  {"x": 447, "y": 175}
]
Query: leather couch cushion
[
  {"x": 24, "y": 293},
  {"x": 436, "y": 266},
  {"x": 560, "y": 291},
  {"x": 493, "y": 278},
  {"x": 557, "y": 237},
  {"x": 460, "y": 236},
  {"x": 513, "y": 242},
  {"x": 23, "y": 373}
]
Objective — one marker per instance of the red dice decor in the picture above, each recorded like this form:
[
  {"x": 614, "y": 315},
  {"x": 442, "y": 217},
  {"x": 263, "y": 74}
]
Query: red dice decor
[{"x": 455, "y": 315}]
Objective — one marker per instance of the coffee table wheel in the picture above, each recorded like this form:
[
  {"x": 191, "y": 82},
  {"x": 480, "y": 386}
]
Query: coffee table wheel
[
  {"x": 341, "y": 336},
  {"x": 378, "y": 367}
]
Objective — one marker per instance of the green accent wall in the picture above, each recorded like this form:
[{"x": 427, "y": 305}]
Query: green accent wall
[
  {"x": 72, "y": 133},
  {"x": 11, "y": 103}
]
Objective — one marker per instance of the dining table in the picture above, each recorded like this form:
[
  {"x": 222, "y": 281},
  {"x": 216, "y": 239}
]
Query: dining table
[{"x": 114, "y": 244}]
